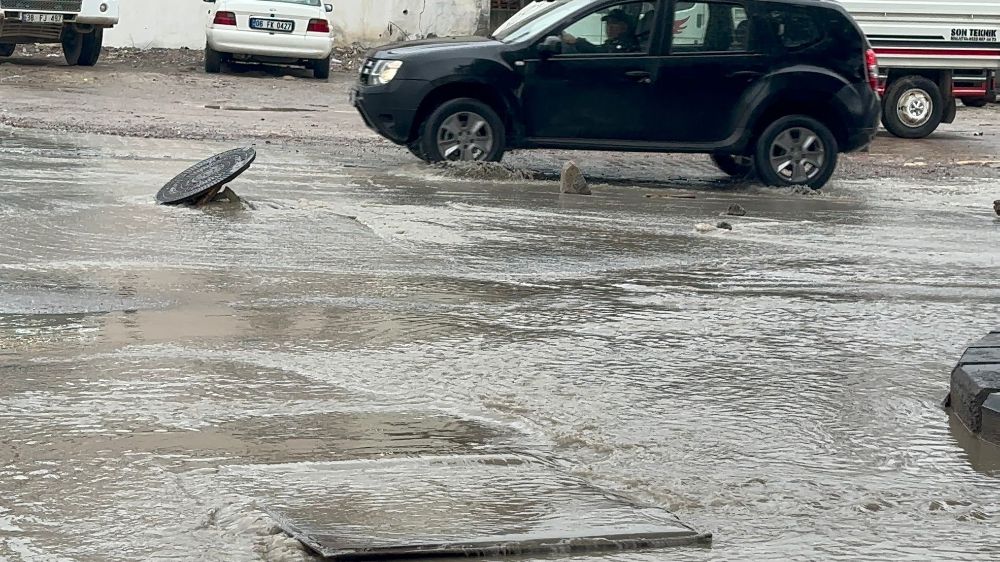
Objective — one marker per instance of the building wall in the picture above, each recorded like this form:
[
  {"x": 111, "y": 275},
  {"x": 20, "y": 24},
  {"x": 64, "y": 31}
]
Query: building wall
[{"x": 181, "y": 23}]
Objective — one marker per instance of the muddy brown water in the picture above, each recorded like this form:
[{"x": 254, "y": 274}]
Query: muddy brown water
[{"x": 777, "y": 385}]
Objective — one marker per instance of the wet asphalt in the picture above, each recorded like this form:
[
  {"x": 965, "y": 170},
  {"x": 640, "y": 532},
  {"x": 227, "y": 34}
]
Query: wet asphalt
[{"x": 167, "y": 374}]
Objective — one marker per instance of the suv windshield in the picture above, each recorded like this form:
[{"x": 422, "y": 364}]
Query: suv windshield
[{"x": 537, "y": 17}]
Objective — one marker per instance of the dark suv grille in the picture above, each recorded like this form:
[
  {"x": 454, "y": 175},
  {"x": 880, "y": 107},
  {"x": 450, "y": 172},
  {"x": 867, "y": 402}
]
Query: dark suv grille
[{"x": 42, "y": 5}]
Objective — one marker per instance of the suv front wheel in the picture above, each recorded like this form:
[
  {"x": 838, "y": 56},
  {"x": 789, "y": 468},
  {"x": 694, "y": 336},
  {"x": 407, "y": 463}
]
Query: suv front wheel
[
  {"x": 796, "y": 151},
  {"x": 462, "y": 129}
]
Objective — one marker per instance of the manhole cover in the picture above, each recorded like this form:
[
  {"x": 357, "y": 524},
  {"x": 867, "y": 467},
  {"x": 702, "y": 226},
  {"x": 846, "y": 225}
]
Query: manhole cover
[{"x": 207, "y": 175}]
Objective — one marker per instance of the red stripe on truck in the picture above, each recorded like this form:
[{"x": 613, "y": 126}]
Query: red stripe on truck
[{"x": 939, "y": 52}]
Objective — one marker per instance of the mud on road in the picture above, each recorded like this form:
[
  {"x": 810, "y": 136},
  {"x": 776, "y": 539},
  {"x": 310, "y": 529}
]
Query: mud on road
[{"x": 166, "y": 94}]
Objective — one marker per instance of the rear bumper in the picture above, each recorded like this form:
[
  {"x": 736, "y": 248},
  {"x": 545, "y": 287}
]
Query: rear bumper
[
  {"x": 864, "y": 117},
  {"x": 91, "y": 13},
  {"x": 263, "y": 44},
  {"x": 391, "y": 110}
]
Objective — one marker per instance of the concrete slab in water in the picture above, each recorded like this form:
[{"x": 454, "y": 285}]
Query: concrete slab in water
[
  {"x": 970, "y": 386},
  {"x": 990, "y": 429},
  {"x": 464, "y": 505},
  {"x": 981, "y": 356}
]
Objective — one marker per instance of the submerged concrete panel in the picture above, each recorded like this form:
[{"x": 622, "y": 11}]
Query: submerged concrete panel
[
  {"x": 970, "y": 386},
  {"x": 483, "y": 505}
]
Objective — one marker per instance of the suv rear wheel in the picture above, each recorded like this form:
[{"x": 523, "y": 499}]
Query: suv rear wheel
[
  {"x": 796, "y": 151},
  {"x": 739, "y": 167},
  {"x": 462, "y": 129},
  {"x": 914, "y": 107}
]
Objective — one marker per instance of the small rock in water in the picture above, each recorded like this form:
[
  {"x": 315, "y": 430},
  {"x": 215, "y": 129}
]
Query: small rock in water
[
  {"x": 724, "y": 226},
  {"x": 996, "y": 206},
  {"x": 704, "y": 227},
  {"x": 736, "y": 210},
  {"x": 573, "y": 181}
]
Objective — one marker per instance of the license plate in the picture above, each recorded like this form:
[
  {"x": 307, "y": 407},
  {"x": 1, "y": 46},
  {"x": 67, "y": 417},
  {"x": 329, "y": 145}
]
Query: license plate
[
  {"x": 284, "y": 26},
  {"x": 42, "y": 18}
]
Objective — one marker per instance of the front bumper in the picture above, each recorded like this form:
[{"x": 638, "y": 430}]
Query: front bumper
[
  {"x": 390, "y": 110},
  {"x": 262, "y": 44}
]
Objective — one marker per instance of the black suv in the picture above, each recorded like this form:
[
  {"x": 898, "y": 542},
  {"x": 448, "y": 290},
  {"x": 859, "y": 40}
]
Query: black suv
[{"x": 779, "y": 87}]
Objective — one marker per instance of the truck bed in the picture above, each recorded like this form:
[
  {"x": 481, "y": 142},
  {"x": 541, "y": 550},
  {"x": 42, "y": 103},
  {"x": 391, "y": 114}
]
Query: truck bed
[{"x": 931, "y": 33}]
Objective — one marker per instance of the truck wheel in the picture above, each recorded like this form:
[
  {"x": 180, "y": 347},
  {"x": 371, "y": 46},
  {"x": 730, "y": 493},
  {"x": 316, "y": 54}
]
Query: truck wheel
[
  {"x": 213, "y": 60},
  {"x": 7, "y": 49},
  {"x": 736, "y": 166},
  {"x": 321, "y": 69},
  {"x": 796, "y": 151},
  {"x": 974, "y": 102},
  {"x": 913, "y": 107},
  {"x": 72, "y": 44},
  {"x": 90, "y": 49},
  {"x": 463, "y": 129}
]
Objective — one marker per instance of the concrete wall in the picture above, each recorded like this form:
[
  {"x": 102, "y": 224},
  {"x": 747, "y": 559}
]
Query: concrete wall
[{"x": 181, "y": 23}]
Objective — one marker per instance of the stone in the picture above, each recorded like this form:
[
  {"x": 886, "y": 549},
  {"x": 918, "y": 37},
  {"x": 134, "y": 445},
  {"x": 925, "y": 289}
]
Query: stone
[
  {"x": 980, "y": 356},
  {"x": 735, "y": 210},
  {"x": 704, "y": 227},
  {"x": 724, "y": 226},
  {"x": 971, "y": 385},
  {"x": 996, "y": 206},
  {"x": 573, "y": 181}
]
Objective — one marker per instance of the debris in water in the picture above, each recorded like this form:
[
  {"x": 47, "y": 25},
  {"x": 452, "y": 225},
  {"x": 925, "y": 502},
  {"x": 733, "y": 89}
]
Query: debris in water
[
  {"x": 996, "y": 206},
  {"x": 724, "y": 226},
  {"x": 485, "y": 171},
  {"x": 704, "y": 227},
  {"x": 735, "y": 210},
  {"x": 572, "y": 180},
  {"x": 204, "y": 182}
]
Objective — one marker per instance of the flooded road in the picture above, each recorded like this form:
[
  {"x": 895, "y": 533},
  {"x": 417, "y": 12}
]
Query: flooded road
[{"x": 167, "y": 373}]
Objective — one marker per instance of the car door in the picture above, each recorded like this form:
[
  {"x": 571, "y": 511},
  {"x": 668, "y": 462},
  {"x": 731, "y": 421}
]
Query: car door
[
  {"x": 599, "y": 87},
  {"x": 713, "y": 61}
]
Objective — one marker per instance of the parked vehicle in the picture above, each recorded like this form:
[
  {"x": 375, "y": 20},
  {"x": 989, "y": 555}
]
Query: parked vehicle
[
  {"x": 77, "y": 24},
  {"x": 783, "y": 84},
  {"x": 931, "y": 54},
  {"x": 286, "y": 32}
]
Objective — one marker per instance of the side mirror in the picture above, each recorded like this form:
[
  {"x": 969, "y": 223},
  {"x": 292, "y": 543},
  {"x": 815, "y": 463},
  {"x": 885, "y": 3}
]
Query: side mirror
[
  {"x": 329, "y": 7},
  {"x": 549, "y": 47}
]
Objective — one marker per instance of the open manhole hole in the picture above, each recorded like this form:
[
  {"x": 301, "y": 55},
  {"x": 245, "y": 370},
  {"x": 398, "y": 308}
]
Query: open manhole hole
[
  {"x": 203, "y": 182},
  {"x": 479, "y": 505}
]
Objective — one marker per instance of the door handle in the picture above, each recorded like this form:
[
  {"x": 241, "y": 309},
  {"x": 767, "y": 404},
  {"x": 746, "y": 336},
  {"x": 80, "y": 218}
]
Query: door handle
[
  {"x": 745, "y": 75},
  {"x": 640, "y": 76}
]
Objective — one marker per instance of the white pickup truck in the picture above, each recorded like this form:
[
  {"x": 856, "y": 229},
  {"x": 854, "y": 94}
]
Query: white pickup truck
[
  {"x": 77, "y": 24},
  {"x": 930, "y": 54}
]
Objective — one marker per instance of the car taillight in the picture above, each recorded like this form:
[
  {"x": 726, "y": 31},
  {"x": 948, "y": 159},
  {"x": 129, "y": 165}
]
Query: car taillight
[
  {"x": 318, "y": 26},
  {"x": 871, "y": 61},
  {"x": 225, "y": 18}
]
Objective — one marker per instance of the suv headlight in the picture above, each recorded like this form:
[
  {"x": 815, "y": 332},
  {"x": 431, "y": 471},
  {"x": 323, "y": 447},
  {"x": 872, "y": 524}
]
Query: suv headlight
[{"x": 385, "y": 71}]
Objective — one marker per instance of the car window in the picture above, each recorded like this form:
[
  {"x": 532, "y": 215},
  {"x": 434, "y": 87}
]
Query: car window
[
  {"x": 795, "y": 28},
  {"x": 537, "y": 18},
  {"x": 710, "y": 27},
  {"x": 625, "y": 28}
]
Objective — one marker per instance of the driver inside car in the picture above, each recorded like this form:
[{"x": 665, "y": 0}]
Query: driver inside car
[{"x": 620, "y": 31}]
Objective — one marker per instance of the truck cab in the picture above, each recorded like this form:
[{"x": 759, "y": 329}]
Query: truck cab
[{"x": 78, "y": 25}]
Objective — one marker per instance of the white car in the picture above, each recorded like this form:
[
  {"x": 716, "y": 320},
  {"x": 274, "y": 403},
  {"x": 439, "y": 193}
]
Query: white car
[{"x": 295, "y": 32}]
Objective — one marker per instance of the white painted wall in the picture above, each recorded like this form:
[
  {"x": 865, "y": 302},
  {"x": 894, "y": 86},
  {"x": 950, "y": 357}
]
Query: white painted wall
[{"x": 181, "y": 23}]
